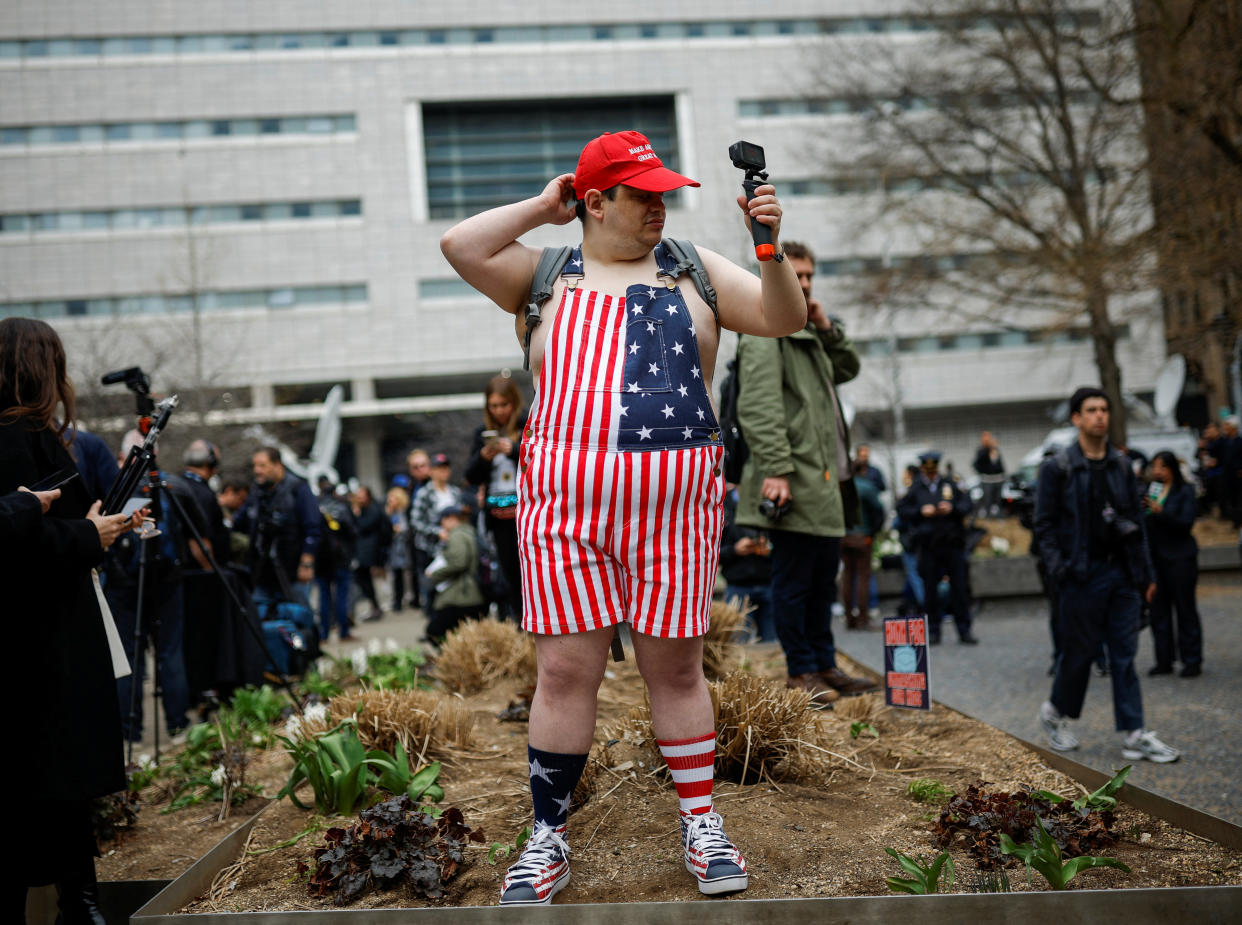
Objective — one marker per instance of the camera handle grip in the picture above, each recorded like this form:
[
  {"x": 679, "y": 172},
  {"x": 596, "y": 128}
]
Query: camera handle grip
[{"x": 760, "y": 233}]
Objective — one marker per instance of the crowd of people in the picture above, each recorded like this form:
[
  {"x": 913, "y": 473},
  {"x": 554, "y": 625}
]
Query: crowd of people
[{"x": 604, "y": 504}]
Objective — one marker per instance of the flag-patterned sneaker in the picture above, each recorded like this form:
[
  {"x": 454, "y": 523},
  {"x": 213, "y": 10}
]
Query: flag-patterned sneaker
[
  {"x": 711, "y": 857},
  {"x": 540, "y": 871}
]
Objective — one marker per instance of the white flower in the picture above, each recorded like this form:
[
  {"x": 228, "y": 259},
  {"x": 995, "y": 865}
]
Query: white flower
[
  {"x": 323, "y": 665},
  {"x": 146, "y": 762},
  {"x": 293, "y": 727},
  {"x": 317, "y": 714},
  {"x": 257, "y": 738},
  {"x": 219, "y": 776},
  {"x": 1000, "y": 545},
  {"x": 374, "y": 647},
  {"x": 359, "y": 659},
  {"x": 390, "y": 645}
]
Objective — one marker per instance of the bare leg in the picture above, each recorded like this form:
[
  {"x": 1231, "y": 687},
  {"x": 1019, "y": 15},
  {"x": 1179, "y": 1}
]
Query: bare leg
[
  {"x": 571, "y": 667},
  {"x": 673, "y": 669}
]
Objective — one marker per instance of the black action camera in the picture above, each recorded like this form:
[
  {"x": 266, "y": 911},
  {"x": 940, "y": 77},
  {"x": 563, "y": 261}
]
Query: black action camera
[{"x": 747, "y": 156}]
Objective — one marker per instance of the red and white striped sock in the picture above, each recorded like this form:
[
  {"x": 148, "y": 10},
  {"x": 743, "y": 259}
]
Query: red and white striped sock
[{"x": 692, "y": 762}]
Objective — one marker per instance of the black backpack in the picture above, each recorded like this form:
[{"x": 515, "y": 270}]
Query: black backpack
[{"x": 736, "y": 450}]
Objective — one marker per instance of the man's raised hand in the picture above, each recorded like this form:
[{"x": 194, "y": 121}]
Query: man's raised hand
[
  {"x": 557, "y": 198},
  {"x": 764, "y": 208}
]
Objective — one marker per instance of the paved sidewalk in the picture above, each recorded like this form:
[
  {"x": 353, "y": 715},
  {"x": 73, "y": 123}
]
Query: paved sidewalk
[{"x": 1004, "y": 679}]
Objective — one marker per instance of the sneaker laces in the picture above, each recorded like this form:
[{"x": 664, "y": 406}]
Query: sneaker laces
[
  {"x": 705, "y": 831},
  {"x": 545, "y": 848}
]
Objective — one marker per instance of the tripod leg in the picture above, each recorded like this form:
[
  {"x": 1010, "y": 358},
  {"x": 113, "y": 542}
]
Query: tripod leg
[{"x": 137, "y": 660}]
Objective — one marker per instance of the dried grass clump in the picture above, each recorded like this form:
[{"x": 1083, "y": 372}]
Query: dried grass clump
[
  {"x": 866, "y": 708},
  {"x": 424, "y": 722},
  {"x": 763, "y": 729},
  {"x": 480, "y": 652},
  {"x": 722, "y": 651}
]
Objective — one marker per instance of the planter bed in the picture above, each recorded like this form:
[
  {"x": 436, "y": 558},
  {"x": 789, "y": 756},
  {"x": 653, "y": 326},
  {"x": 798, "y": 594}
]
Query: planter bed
[{"x": 814, "y": 847}]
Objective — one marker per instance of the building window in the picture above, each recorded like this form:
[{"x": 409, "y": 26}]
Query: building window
[
  {"x": 123, "y": 132},
  {"x": 485, "y": 154},
  {"x": 175, "y": 216},
  {"x": 125, "y": 46},
  {"x": 281, "y": 297}
]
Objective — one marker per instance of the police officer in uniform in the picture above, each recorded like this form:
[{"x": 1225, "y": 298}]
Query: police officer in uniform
[{"x": 936, "y": 510}]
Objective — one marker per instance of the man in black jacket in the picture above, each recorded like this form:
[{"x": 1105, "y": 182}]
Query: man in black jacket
[
  {"x": 283, "y": 522},
  {"x": 935, "y": 511},
  {"x": 990, "y": 468},
  {"x": 1088, "y": 527},
  {"x": 205, "y": 601}
]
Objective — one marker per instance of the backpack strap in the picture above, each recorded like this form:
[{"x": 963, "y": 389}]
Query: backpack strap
[
  {"x": 551, "y": 261},
  {"x": 680, "y": 256}
]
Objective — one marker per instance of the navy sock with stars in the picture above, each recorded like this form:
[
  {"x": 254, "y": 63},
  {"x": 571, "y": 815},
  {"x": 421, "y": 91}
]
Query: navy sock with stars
[{"x": 553, "y": 778}]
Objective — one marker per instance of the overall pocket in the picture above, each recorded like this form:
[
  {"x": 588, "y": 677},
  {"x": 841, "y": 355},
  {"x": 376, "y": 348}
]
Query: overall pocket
[{"x": 646, "y": 358}]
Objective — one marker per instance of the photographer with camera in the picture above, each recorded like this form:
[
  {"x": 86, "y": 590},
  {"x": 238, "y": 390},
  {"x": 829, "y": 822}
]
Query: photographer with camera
[
  {"x": 797, "y": 483},
  {"x": 1088, "y": 527},
  {"x": 282, "y": 519}
]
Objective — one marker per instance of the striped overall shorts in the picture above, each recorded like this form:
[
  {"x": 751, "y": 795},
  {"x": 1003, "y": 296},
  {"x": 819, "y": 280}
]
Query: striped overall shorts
[{"x": 620, "y": 494}]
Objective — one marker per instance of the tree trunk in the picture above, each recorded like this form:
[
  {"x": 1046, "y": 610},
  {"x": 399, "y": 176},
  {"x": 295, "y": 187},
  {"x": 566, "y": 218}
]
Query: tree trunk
[{"x": 1104, "y": 342}]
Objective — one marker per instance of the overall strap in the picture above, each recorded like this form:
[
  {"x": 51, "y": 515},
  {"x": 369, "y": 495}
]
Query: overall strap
[
  {"x": 551, "y": 262},
  {"x": 676, "y": 256}
]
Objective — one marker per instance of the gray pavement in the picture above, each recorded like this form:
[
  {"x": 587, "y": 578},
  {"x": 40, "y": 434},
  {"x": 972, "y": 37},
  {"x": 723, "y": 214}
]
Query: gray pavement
[{"x": 1003, "y": 680}]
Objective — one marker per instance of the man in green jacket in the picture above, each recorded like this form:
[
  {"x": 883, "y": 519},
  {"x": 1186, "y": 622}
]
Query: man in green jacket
[{"x": 797, "y": 483}]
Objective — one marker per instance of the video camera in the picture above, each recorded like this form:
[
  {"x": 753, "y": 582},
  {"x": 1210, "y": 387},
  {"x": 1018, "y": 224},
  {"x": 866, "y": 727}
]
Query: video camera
[{"x": 137, "y": 382}]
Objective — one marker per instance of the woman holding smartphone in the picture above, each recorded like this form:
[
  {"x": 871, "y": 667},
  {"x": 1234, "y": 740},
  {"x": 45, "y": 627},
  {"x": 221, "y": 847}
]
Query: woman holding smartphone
[
  {"x": 493, "y": 467},
  {"x": 72, "y": 719},
  {"x": 1170, "y": 505}
]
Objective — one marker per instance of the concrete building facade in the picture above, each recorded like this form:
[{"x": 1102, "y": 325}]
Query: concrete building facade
[{"x": 248, "y": 197}]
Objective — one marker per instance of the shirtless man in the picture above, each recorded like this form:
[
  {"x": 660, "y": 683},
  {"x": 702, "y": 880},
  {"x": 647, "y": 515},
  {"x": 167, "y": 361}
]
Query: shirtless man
[{"x": 620, "y": 490}]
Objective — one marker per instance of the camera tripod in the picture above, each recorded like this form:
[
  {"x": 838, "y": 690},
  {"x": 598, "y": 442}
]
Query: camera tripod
[{"x": 141, "y": 462}]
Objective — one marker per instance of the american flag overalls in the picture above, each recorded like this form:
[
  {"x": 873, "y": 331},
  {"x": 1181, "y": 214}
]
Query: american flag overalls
[{"x": 619, "y": 499}]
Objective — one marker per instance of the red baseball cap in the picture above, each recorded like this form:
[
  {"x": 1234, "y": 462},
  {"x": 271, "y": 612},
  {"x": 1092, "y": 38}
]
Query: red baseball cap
[{"x": 625, "y": 157}]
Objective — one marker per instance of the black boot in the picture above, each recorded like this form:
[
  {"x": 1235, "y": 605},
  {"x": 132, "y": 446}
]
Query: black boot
[{"x": 79, "y": 893}]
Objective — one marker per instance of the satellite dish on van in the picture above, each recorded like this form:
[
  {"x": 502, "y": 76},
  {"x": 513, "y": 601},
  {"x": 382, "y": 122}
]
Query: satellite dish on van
[{"x": 1169, "y": 388}]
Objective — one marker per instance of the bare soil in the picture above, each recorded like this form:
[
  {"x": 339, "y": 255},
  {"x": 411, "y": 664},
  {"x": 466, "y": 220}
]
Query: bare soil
[
  {"x": 163, "y": 846},
  {"x": 804, "y": 838}
]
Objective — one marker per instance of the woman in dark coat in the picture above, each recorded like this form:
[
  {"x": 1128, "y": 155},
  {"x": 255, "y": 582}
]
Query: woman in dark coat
[
  {"x": 1170, "y": 504},
  {"x": 69, "y": 724},
  {"x": 374, "y": 535},
  {"x": 493, "y": 467}
]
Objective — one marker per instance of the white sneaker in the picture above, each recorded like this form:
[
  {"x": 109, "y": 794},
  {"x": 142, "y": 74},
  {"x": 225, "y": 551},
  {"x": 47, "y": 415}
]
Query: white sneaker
[
  {"x": 1060, "y": 739},
  {"x": 1142, "y": 743}
]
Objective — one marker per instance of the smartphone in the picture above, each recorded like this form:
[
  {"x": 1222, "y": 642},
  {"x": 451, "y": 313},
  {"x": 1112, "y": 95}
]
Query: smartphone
[
  {"x": 490, "y": 437},
  {"x": 55, "y": 480}
]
